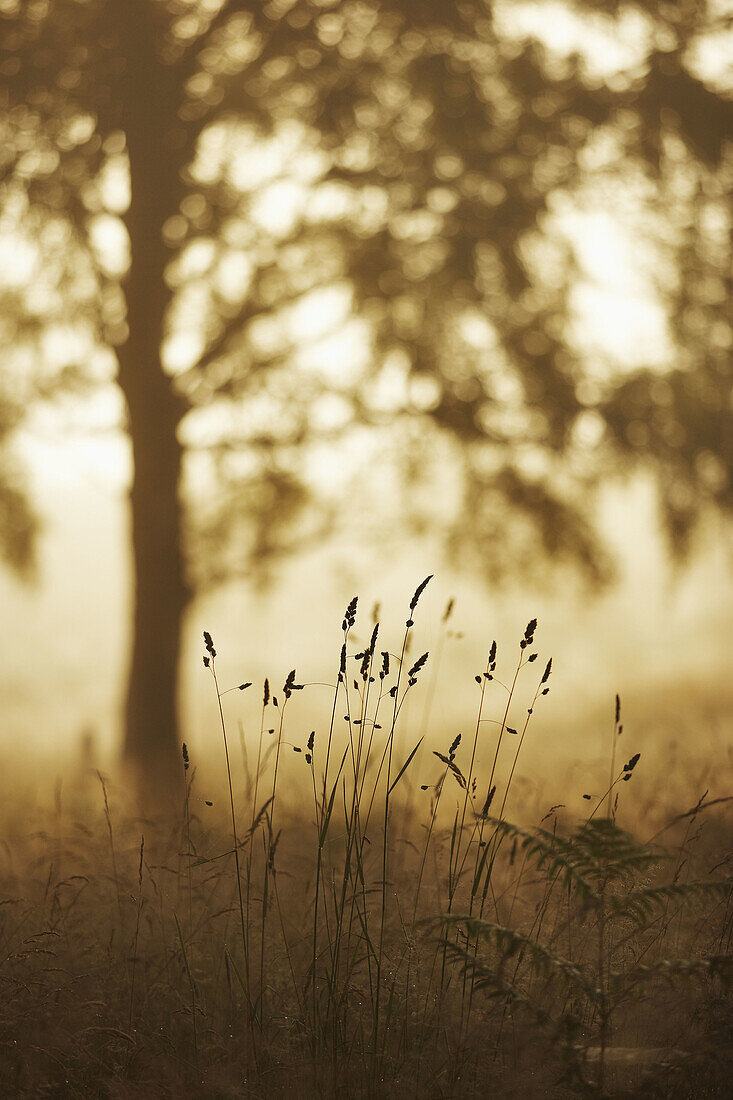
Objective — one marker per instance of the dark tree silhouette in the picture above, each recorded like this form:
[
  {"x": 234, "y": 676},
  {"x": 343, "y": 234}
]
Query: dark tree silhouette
[
  {"x": 418, "y": 149},
  {"x": 17, "y": 522}
]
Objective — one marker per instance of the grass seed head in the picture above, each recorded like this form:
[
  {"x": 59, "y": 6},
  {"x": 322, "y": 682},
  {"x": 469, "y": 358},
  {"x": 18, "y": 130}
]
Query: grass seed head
[
  {"x": 489, "y": 800},
  {"x": 632, "y": 762},
  {"x": 290, "y": 685},
  {"x": 350, "y": 614},
  {"x": 419, "y": 591},
  {"x": 417, "y": 666}
]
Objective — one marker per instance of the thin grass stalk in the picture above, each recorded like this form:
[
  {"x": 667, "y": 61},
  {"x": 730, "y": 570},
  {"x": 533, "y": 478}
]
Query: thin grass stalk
[
  {"x": 269, "y": 857},
  {"x": 385, "y": 844},
  {"x": 603, "y": 991},
  {"x": 453, "y": 878},
  {"x": 248, "y": 889},
  {"x": 429, "y": 700},
  {"x": 434, "y": 813},
  {"x": 617, "y": 715},
  {"x": 314, "y": 945},
  {"x": 354, "y": 831},
  {"x": 187, "y": 826},
  {"x": 358, "y": 831},
  {"x": 483, "y": 854},
  {"x": 263, "y": 921},
  {"x": 133, "y": 965},
  {"x": 322, "y": 823},
  {"x": 387, "y": 793},
  {"x": 454, "y": 870},
  {"x": 210, "y": 661},
  {"x": 495, "y": 841},
  {"x": 235, "y": 836},
  {"x": 346, "y": 875},
  {"x": 192, "y": 987},
  {"x": 286, "y": 945},
  {"x": 113, "y": 854}
]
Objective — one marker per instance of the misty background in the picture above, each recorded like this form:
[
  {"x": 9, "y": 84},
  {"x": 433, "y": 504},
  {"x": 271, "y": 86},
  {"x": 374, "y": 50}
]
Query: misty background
[{"x": 441, "y": 288}]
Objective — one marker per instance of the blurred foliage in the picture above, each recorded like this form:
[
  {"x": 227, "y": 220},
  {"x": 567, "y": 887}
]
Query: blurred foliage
[
  {"x": 359, "y": 202},
  {"x": 18, "y": 524}
]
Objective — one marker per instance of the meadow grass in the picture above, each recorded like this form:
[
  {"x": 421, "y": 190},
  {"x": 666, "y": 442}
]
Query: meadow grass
[{"x": 381, "y": 928}]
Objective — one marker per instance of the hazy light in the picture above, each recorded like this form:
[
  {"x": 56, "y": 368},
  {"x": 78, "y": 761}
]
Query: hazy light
[
  {"x": 278, "y": 207},
  {"x": 113, "y": 185},
  {"x": 277, "y": 180},
  {"x": 233, "y": 275},
  {"x": 110, "y": 244},
  {"x": 196, "y": 259},
  {"x": 607, "y": 46},
  {"x": 18, "y": 258},
  {"x": 319, "y": 311},
  {"x": 477, "y": 330},
  {"x": 340, "y": 357},
  {"x": 710, "y": 56},
  {"x": 390, "y": 389},
  {"x": 182, "y": 351},
  {"x": 615, "y": 305},
  {"x": 629, "y": 329}
]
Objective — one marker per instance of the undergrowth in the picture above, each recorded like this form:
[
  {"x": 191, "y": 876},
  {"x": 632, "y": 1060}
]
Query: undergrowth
[{"x": 395, "y": 934}]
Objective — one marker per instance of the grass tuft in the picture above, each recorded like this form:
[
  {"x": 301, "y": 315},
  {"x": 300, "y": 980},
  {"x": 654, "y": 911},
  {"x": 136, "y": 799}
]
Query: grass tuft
[{"x": 382, "y": 928}]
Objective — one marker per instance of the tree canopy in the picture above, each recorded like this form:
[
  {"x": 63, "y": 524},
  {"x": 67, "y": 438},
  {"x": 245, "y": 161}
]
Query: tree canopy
[{"x": 400, "y": 164}]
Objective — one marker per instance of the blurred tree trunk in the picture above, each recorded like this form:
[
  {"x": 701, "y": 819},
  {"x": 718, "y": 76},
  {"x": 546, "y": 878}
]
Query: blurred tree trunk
[{"x": 160, "y": 595}]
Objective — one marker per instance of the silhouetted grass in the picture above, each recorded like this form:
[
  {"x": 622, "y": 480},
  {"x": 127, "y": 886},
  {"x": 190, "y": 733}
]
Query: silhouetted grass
[{"x": 382, "y": 928}]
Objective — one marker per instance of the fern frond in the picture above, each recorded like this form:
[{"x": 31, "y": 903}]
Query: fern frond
[
  {"x": 554, "y": 854},
  {"x": 608, "y": 853},
  {"x": 596, "y": 854},
  {"x": 510, "y": 943},
  {"x": 709, "y": 966},
  {"x": 639, "y": 905},
  {"x": 496, "y": 984}
]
